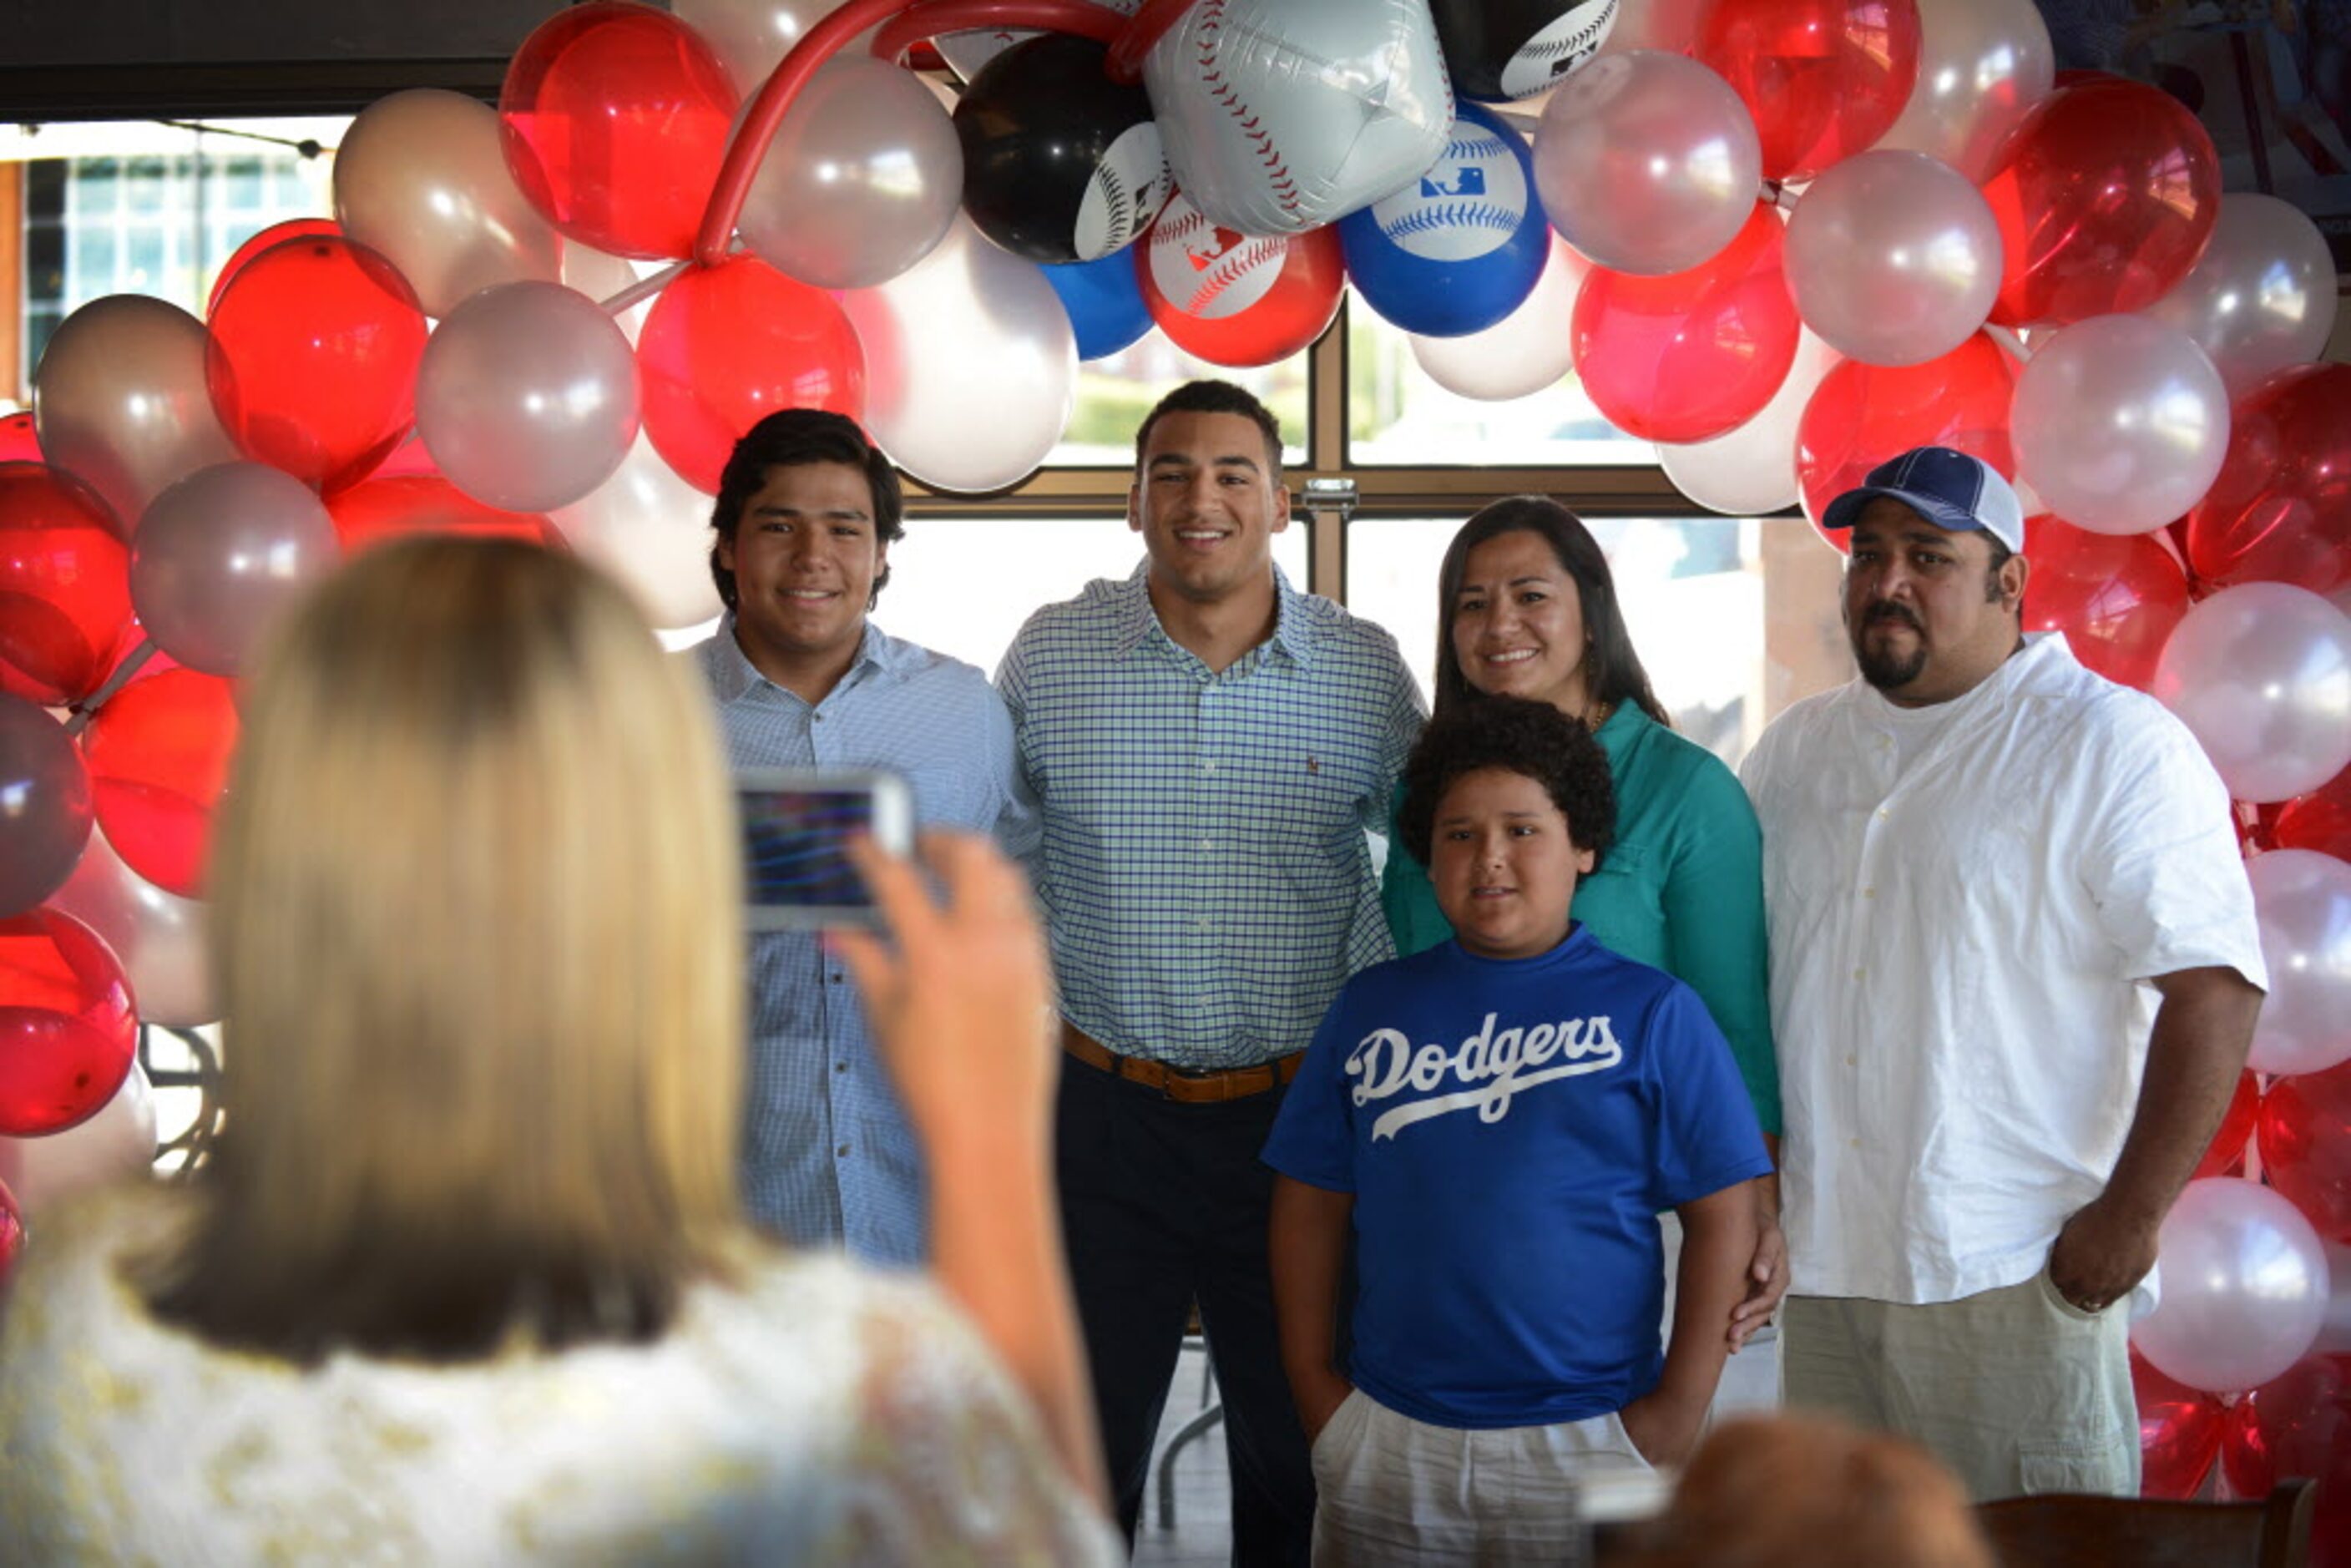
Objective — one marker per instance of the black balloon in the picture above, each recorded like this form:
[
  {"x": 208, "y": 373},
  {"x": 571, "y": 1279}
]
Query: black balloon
[
  {"x": 1498, "y": 50},
  {"x": 1059, "y": 163}
]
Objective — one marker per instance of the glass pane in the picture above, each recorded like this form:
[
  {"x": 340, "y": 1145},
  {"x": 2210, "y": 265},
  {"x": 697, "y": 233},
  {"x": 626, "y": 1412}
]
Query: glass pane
[
  {"x": 243, "y": 183},
  {"x": 146, "y": 184},
  {"x": 147, "y": 276},
  {"x": 1691, "y": 587},
  {"x": 96, "y": 187},
  {"x": 93, "y": 252},
  {"x": 964, "y": 585},
  {"x": 1397, "y": 416},
  {"x": 1114, "y": 392}
]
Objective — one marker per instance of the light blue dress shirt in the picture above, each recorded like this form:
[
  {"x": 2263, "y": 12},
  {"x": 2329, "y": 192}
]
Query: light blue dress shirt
[
  {"x": 828, "y": 1156},
  {"x": 1204, "y": 861}
]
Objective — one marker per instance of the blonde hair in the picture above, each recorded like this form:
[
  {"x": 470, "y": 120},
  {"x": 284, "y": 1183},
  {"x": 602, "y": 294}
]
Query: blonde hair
[{"x": 479, "y": 935}]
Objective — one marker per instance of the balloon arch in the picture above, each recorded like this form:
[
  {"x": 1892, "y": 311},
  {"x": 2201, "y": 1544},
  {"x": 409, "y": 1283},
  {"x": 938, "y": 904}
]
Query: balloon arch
[{"x": 1782, "y": 239}]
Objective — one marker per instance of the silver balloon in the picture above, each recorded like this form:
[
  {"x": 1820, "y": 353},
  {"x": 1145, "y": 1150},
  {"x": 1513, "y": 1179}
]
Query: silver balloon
[
  {"x": 120, "y": 401},
  {"x": 863, "y": 177},
  {"x": 2303, "y": 900},
  {"x": 601, "y": 277},
  {"x": 115, "y": 1144},
  {"x": 1279, "y": 116},
  {"x": 1752, "y": 470},
  {"x": 158, "y": 935},
  {"x": 1982, "y": 64},
  {"x": 526, "y": 397},
  {"x": 221, "y": 555},
  {"x": 2262, "y": 297},
  {"x": 2120, "y": 423},
  {"x": 1892, "y": 258},
  {"x": 1647, "y": 163},
  {"x": 2244, "y": 1287},
  {"x": 971, "y": 366},
  {"x": 752, "y": 37},
  {"x": 1522, "y": 353},
  {"x": 2261, "y": 674},
  {"x": 652, "y": 531},
  {"x": 420, "y": 176}
]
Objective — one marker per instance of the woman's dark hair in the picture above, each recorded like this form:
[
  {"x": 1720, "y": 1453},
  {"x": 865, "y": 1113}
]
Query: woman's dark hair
[
  {"x": 1612, "y": 670},
  {"x": 787, "y": 439},
  {"x": 1522, "y": 735}
]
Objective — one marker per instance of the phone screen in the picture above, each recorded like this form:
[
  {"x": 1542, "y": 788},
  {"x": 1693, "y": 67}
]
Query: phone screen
[{"x": 796, "y": 834}]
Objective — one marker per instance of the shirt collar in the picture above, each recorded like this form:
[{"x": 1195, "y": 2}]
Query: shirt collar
[
  {"x": 2042, "y": 650},
  {"x": 1293, "y": 631},
  {"x": 732, "y": 673}
]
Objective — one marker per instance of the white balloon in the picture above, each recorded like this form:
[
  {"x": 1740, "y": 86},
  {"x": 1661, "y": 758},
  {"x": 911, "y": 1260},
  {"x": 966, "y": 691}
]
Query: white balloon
[
  {"x": 158, "y": 936},
  {"x": 1522, "y": 353},
  {"x": 601, "y": 275},
  {"x": 2303, "y": 901},
  {"x": 2263, "y": 295},
  {"x": 1279, "y": 116},
  {"x": 2120, "y": 423},
  {"x": 1752, "y": 470},
  {"x": 1982, "y": 64},
  {"x": 971, "y": 365},
  {"x": 1893, "y": 257},
  {"x": 652, "y": 531},
  {"x": 117, "y": 1142},
  {"x": 2244, "y": 1287},
  {"x": 2261, "y": 673}
]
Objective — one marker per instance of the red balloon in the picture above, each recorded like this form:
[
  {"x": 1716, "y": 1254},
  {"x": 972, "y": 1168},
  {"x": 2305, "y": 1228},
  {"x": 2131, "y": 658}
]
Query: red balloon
[
  {"x": 2115, "y": 596},
  {"x": 2298, "y": 1425},
  {"x": 159, "y": 754},
  {"x": 2281, "y": 509},
  {"x": 12, "y": 1231},
  {"x": 2178, "y": 1432},
  {"x": 2319, "y": 820},
  {"x": 1822, "y": 77},
  {"x": 1293, "y": 309},
  {"x": 312, "y": 363},
  {"x": 65, "y": 585},
  {"x": 2305, "y": 1140},
  {"x": 274, "y": 235},
  {"x": 615, "y": 120},
  {"x": 1863, "y": 415},
  {"x": 1691, "y": 354},
  {"x": 378, "y": 510},
  {"x": 68, "y": 1031},
  {"x": 18, "y": 441},
  {"x": 726, "y": 346},
  {"x": 2225, "y": 1152},
  {"x": 2106, "y": 193}
]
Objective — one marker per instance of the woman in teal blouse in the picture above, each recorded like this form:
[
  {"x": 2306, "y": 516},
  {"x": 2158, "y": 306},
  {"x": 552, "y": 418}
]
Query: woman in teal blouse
[{"x": 1526, "y": 606}]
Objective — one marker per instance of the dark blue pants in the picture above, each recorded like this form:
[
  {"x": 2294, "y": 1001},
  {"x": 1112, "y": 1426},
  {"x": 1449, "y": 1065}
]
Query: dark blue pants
[{"x": 1165, "y": 1204}]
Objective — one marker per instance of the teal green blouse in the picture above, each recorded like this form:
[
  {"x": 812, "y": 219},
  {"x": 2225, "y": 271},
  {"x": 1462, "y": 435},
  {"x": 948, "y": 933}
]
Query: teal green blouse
[{"x": 1680, "y": 889}]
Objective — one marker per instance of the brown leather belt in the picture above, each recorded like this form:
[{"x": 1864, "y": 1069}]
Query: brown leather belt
[{"x": 1190, "y": 1088}]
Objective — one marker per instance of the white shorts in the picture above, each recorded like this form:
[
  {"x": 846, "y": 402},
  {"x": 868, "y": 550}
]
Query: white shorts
[{"x": 1396, "y": 1490}]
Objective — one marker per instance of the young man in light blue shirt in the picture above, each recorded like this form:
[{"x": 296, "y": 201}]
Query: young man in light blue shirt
[{"x": 806, "y": 511}]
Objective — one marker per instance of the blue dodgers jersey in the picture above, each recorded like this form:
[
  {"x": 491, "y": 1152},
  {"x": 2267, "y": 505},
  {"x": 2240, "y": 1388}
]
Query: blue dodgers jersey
[{"x": 1510, "y": 1129}]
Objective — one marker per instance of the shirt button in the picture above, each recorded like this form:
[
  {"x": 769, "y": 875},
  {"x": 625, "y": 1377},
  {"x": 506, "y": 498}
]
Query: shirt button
[
  {"x": 1852, "y": 1061},
  {"x": 1883, "y": 813},
  {"x": 842, "y": 1151},
  {"x": 841, "y": 1067},
  {"x": 1204, "y": 928},
  {"x": 1852, "y": 1143},
  {"x": 1207, "y": 843},
  {"x": 1209, "y": 766},
  {"x": 1857, "y": 973},
  {"x": 1865, "y": 893}
]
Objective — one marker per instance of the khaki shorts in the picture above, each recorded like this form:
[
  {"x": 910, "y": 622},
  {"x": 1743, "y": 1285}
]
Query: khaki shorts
[
  {"x": 2017, "y": 1389},
  {"x": 1396, "y": 1490}
]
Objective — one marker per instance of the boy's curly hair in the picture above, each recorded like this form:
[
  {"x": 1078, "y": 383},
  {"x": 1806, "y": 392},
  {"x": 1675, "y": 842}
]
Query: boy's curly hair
[{"x": 1524, "y": 736}]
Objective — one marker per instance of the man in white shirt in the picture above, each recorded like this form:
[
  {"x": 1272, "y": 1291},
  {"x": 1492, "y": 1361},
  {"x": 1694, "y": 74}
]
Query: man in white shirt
[{"x": 1983, "y": 866}]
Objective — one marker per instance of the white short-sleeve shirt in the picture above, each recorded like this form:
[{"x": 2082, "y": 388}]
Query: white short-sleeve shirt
[{"x": 1963, "y": 901}]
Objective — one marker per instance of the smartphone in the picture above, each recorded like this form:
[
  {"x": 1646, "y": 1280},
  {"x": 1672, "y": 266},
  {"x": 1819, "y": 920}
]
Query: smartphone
[{"x": 797, "y": 827}]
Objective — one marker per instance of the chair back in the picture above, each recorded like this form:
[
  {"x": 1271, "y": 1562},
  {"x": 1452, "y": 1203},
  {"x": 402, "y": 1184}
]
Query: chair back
[{"x": 2061, "y": 1530}]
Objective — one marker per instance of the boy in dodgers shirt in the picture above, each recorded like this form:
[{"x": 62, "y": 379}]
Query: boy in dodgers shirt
[{"x": 1502, "y": 1118}]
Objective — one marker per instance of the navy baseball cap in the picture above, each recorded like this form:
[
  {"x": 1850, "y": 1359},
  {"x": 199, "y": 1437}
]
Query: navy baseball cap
[{"x": 1949, "y": 489}]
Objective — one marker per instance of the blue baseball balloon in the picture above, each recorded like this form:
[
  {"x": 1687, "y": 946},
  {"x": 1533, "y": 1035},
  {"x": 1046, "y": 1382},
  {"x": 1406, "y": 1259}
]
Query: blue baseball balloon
[
  {"x": 1460, "y": 248},
  {"x": 1104, "y": 299}
]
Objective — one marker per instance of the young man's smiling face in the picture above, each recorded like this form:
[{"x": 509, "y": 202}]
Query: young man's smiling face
[
  {"x": 805, "y": 554},
  {"x": 1208, "y": 504},
  {"x": 1504, "y": 863}
]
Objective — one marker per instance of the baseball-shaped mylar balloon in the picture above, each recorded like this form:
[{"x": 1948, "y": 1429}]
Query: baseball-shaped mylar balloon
[
  {"x": 1059, "y": 163},
  {"x": 527, "y": 396},
  {"x": 1280, "y": 116},
  {"x": 1647, "y": 163},
  {"x": 1232, "y": 299},
  {"x": 860, "y": 181},
  {"x": 221, "y": 555},
  {"x": 1460, "y": 248},
  {"x": 1500, "y": 50}
]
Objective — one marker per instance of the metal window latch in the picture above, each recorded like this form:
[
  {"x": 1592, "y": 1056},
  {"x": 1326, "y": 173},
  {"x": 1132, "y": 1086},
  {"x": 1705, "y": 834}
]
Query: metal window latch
[{"x": 1330, "y": 495}]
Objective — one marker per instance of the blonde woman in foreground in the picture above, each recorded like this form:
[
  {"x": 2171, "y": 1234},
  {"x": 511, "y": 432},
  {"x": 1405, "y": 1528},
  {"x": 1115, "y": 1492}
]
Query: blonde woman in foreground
[{"x": 465, "y": 1280}]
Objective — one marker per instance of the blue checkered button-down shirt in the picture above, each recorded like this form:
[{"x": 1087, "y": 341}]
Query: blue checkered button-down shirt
[
  {"x": 828, "y": 1156},
  {"x": 1204, "y": 861}
]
